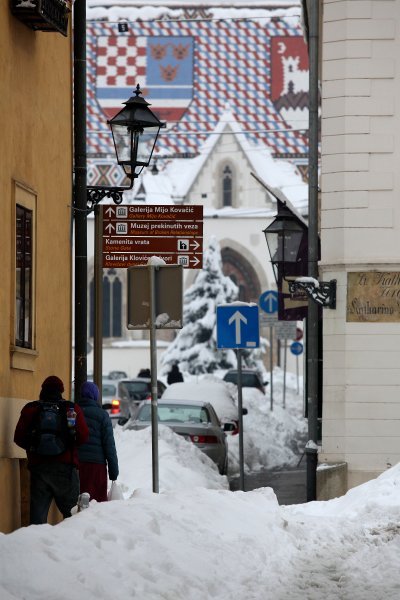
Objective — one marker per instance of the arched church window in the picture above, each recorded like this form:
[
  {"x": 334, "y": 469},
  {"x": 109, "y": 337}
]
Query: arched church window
[{"x": 227, "y": 186}]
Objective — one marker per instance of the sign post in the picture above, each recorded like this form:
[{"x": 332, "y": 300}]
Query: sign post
[
  {"x": 155, "y": 302},
  {"x": 268, "y": 302},
  {"x": 238, "y": 327}
]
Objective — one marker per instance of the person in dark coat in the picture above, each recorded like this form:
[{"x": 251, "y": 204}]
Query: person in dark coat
[
  {"x": 51, "y": 477},
  {"x": 174, "y": 376},
  {"x": 99, "y": 451},
  {"x": 144, "y": 373}
]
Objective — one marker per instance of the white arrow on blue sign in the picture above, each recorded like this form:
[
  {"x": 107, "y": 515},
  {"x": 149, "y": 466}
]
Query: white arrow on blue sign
[
  {"x": 269, "y": 301},
  {"x": 237, "y": 326}
]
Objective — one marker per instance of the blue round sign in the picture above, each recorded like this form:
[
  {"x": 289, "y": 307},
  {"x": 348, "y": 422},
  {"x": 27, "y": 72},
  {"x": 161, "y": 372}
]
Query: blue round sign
[
  {"x": 269, "y": 301},
  {"x": 296, "y": 348}
]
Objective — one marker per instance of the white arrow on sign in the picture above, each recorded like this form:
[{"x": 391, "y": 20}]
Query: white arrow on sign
[
  {"x": 195, "y": 245},
  {"x": 110, "y": 227},
  {"x": 270, "y": 301},
  {"x": 110, "y": 211},
  {"x": 195, "y": 261},
  {"x": 237, "y": 317}
]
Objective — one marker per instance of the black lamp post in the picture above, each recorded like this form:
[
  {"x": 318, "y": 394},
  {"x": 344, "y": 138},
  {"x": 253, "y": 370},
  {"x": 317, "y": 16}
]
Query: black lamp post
[
  {"x": 135, "y": 129},
  {"x": 288, "y": 246},
  {"x": 287, "y": 241}
]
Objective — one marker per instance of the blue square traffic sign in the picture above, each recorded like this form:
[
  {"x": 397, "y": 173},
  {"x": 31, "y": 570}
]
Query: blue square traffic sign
[{"x": 238, "y": 326}]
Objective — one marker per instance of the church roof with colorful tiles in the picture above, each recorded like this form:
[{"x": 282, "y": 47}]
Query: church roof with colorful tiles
[{"x": 194, "y": 63}]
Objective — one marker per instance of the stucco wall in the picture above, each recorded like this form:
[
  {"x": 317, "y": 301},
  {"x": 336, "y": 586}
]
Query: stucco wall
[{"x": 36, "y": 157}]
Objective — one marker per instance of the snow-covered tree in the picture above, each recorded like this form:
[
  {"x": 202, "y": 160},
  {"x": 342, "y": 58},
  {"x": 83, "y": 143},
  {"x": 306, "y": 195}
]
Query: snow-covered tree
[{"x": 195, "y": 346}]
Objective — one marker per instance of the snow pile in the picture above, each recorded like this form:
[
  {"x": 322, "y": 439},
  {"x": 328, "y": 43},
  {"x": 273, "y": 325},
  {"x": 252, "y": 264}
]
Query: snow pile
[
  {"x": 274, "y": 438},
  {"x": 204, "y": 543}
]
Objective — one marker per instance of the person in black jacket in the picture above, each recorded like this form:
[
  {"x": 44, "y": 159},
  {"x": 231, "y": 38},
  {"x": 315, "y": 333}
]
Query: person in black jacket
[
  {"x": 174, "y": 376},
  {"x": 51, "y": 476},
  {"x": 99, "y": 451}
]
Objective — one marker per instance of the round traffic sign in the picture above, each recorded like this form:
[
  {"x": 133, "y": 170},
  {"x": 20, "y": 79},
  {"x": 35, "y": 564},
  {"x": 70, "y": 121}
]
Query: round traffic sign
[
  {"x": 269, "y": 301},
  {"x": 296, "y": 348}
]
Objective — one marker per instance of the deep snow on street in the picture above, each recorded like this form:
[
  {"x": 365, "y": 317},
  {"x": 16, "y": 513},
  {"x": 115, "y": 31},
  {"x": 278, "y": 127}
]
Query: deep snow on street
[{"x": 197, "y": 540}]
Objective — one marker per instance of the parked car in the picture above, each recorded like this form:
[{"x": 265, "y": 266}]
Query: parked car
[
  {"x": 131, "y": 392},
  {"x": 212, "y": 390},
  {"x": 250, "y": 378},
  {"x": 110, "y": 399},
  {"x": 117, "y": 375},
  {"x": 196, "y": 421}
]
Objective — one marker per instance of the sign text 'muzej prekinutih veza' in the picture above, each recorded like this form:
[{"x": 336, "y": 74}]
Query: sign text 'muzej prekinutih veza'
[{"x": 373, "y": 297}]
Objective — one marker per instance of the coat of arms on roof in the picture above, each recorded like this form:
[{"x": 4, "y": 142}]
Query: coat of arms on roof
[
  {"x": 162, "y": 64},
  {"x": 289, "y": 78}
]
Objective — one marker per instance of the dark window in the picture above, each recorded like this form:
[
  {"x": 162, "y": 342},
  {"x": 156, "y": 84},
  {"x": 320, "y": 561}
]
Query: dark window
[
  {"x": 23, "y": 295},
  {"x": 227, "y": 187}
]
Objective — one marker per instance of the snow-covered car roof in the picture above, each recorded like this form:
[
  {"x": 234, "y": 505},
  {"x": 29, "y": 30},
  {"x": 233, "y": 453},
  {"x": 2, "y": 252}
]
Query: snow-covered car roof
[{"x": 215, "y": 392}]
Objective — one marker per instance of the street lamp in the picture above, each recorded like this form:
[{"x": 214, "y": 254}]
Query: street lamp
[
  {"x": 135, "y": 129},
  {"x": 287, "y": 241}
]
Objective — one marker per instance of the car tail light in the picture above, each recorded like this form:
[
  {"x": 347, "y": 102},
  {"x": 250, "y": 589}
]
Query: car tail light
[
  {"x": 204, "y": 439},
  {"x": 114, "y": 406}
]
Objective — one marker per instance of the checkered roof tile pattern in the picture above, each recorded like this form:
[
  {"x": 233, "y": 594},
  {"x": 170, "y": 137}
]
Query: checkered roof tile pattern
[{"x": 232, "y": 66}]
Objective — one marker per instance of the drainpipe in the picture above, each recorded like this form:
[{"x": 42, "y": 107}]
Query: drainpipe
[
  {"x": 80, "y": 214},
  {"x": 313, "y": 308}
]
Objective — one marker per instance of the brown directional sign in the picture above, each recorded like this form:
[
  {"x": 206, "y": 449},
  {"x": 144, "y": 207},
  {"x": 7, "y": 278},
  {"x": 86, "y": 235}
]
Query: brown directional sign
[{"x": 132, "y": 234}]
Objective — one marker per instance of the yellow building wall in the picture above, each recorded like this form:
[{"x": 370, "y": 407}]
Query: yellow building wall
[{"x": 36, "y": 166}]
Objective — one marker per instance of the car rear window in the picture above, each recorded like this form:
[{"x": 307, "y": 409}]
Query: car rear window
[
  {"x": 109, "y": 389},
  {"x": 135, "y": 387},
  {"x": 248, "y": 379},
  {"x": 171, "y": 413}
]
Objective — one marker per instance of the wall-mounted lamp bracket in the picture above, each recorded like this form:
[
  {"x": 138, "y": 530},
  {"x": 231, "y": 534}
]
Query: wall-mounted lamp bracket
[
  {"x": 97, "y": 193},
  {"x": 321, "y": 292}
]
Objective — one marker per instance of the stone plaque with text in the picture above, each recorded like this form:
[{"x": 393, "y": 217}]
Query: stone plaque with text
[{"x": 373, "y": 297}]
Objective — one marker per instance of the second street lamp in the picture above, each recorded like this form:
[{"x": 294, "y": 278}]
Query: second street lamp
[{"x": 287, "y": 241}]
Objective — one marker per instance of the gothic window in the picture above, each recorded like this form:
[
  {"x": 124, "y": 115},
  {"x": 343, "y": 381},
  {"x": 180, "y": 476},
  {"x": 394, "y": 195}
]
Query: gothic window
[
  {"x": 227, "y": 186},
  {"x": 112, "y": 305}
]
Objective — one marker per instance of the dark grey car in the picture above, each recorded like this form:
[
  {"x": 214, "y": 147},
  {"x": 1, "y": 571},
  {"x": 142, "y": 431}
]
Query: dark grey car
[
  {"x": 131, "y": 392},
  {"x": 195, "y": 421},
  {"x": 250, "y": 378}
]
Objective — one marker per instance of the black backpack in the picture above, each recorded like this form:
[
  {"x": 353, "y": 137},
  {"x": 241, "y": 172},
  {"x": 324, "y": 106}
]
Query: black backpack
[{"x": 50, "y": 434}]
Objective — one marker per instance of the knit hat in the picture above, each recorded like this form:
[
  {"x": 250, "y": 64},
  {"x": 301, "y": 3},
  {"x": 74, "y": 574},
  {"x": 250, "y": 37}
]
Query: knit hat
[
  {"x": 90, "y": 390},
  {"x": 52, "y": 385}
]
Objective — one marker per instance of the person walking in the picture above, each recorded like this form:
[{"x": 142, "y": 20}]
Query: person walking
[
  {"x": 174, "y": 376},
  {"x": 99, "y": 451},
  {"x": 50, "y": 430}
]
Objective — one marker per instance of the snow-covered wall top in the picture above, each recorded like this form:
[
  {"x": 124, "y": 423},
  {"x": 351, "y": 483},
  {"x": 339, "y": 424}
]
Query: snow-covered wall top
[{"x": 192, "y": 64}]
